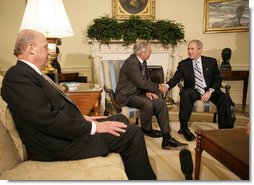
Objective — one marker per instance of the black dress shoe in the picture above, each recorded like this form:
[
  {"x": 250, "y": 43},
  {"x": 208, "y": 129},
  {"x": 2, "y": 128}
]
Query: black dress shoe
[
  {"x": 173, "y": 144},
  {"x": 187, "y": 134},
  {"x": 152, "y": 133}
]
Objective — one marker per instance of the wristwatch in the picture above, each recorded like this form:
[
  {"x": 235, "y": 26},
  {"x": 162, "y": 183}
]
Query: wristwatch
[{"x": 211, "y": 90}]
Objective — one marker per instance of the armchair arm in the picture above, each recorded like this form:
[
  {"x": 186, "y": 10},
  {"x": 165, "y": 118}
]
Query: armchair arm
[
  {"x": 226, "y": 87},
  {"x": 111, "y": 94},
  {"x": 223, "y": 85}
]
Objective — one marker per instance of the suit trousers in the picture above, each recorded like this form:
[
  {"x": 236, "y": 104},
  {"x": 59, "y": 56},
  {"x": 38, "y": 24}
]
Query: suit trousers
[
  {"x": 222, "y": 101},
  {"x": 132, "y": 148},
  {"x": 148, "y": 108}
]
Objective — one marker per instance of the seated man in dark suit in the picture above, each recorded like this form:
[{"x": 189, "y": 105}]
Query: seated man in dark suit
[
  {"x": 202, "y": 81},
  {"x": 52, "y": 127},
  {"x": 134, "y": 89}
]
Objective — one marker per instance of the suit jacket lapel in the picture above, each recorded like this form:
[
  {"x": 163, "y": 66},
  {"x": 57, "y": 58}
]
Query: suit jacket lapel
[
  {"x": 191, "y": 70},
  {"x": 205, "y": 66}
]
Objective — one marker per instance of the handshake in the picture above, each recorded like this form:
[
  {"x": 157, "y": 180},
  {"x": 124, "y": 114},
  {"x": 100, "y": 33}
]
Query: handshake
[{"x": 163, "y": 87}]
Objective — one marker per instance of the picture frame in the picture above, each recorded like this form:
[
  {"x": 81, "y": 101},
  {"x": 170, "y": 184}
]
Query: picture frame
[
  {"x": 226, "y": 16},
  {"x": 123, "y": 9}
]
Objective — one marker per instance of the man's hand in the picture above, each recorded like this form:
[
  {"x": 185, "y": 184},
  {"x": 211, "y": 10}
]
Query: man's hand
[
  {"x": 163, "y": 88},
  {"x": 151, "y": 95},
  {"x": 94, "y": 118},
  {"x": 112, "y": 127},
  {"x": 206, "y": 96}
]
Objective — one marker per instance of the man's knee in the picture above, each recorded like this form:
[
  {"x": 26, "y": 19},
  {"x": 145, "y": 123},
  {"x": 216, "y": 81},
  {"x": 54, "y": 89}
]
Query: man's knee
[
  {"x": 148, "y": 106},
  {"x": 135, "y": 130},
  {"x": 120, "y": 118},
  {"x": 160, "y": 103}
]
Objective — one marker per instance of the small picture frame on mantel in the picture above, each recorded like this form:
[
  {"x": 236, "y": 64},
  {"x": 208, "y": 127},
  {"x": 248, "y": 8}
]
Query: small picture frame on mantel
[{"x": 123, "y": 9}]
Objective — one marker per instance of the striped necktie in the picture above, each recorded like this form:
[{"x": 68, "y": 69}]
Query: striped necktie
[
  {"x": 56, "y": 87},
  {"x": 199, "y": 80}
]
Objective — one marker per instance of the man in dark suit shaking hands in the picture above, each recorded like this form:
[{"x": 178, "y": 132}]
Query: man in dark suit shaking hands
[
  {"x": 52, "y": 127},
  {"x": 202, "y": 80},
  {"x": 135, "y": 89}
]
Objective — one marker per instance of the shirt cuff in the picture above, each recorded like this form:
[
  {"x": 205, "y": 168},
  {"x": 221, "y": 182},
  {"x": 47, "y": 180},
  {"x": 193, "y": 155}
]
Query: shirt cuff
[
  {"x": 93, "y": 129},
  {"x": 167, "y": 86},
  {"x": 211, "y": 90}
]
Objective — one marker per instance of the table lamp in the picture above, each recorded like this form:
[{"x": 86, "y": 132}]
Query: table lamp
[{"x": 48, "y": 17}]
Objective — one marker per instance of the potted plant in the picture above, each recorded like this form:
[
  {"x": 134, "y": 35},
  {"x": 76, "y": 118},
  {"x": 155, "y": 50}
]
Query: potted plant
[{"x": 106, "y": 30}]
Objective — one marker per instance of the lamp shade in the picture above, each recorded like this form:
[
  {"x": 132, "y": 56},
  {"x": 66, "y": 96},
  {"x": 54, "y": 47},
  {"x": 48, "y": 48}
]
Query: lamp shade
[{"x": 48, "y": 17}]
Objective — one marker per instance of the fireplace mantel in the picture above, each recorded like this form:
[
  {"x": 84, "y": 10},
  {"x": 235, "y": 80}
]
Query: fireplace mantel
[{"x": 168, "y": 58}]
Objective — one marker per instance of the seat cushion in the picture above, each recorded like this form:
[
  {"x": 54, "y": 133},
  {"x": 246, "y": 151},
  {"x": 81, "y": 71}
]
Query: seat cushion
[
  {"x": 97, "y": 168},
  {"x": 200, "y": 106},
  {"x": 130, "y": 112}
]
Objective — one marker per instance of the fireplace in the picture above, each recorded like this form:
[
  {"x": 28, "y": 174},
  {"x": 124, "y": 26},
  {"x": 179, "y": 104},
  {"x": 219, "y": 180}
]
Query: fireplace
[
  {"x": 156, "y": 74},
  {"x": 166, "y": 58}
]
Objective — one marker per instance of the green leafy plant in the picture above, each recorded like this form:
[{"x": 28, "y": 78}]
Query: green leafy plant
[
  {"x": 136, "y": 28},
  {"x": 168, "y": 32},
  {"x": 106, "y": 29}
]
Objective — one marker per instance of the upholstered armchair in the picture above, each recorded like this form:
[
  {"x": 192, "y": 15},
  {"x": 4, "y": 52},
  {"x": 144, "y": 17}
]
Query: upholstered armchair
[
  {"x": 200, "y": 106},
  {"x": 110, "y": 74}
]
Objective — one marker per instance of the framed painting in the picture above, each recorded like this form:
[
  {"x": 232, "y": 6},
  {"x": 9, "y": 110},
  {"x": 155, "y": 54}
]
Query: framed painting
[
  {"x": 123, "y": 9},
  {"x": 226, "y": 16}
]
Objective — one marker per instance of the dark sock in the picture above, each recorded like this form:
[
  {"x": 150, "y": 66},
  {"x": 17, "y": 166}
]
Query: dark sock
[
  {"x": 166, "y": 136},
  {"x": 183, "y": 125}
]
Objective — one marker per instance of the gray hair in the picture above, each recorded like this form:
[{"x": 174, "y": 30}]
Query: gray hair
[
  {"x": 198, "y": 42},
  {"x": 25, "y": 38},
  {"x": 140, "y": 46}
]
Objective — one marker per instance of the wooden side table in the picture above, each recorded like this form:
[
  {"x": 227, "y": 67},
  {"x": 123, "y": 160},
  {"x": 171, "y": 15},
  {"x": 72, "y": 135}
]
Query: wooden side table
[
  {"x": 229, "y": 146},
  {"x": 238, "y": 75},
  {"x": 86, "y": 97}
]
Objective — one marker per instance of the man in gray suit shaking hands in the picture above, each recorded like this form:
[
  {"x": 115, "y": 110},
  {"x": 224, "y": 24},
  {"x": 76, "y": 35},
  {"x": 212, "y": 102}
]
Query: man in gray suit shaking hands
[{"x": 135, "y": 89}]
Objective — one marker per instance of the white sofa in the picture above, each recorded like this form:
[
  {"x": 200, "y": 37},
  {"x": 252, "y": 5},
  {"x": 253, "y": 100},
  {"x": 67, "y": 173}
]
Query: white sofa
[{"x": 15, "y": 166}]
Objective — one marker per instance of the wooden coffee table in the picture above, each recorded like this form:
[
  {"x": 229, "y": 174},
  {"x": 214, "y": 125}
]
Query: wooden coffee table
[
  {"x": 86, "y": 97},
  {"x": 229, "y": 146}
]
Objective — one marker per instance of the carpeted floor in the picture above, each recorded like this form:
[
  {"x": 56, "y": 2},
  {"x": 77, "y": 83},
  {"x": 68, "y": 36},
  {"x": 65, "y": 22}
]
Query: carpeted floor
[{"x": 166, "y": 163}]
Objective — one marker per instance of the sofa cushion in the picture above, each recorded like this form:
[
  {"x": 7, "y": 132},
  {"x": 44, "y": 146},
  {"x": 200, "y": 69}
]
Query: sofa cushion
[
  {"x": 9, "y": 156},
  {"x": 97, "y": 168},
  {"x": 8, "y": 123}
]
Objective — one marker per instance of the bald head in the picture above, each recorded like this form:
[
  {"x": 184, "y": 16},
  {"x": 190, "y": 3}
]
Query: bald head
[
  {"x": 32, "y": 46},
  {"x": 25, "y": 38}
]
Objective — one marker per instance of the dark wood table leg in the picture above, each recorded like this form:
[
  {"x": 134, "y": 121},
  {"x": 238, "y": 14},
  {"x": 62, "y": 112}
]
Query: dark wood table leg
[
  {"x": 198, "y": 154},
  {"x": 245, "y": 88}
]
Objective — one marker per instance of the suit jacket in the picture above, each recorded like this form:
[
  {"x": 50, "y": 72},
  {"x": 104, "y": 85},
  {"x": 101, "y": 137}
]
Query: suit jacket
[
  {"x": 51, "y": 127},
  {"x": 132, "y": 82},
  {"x": 185, "y": 72}
]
